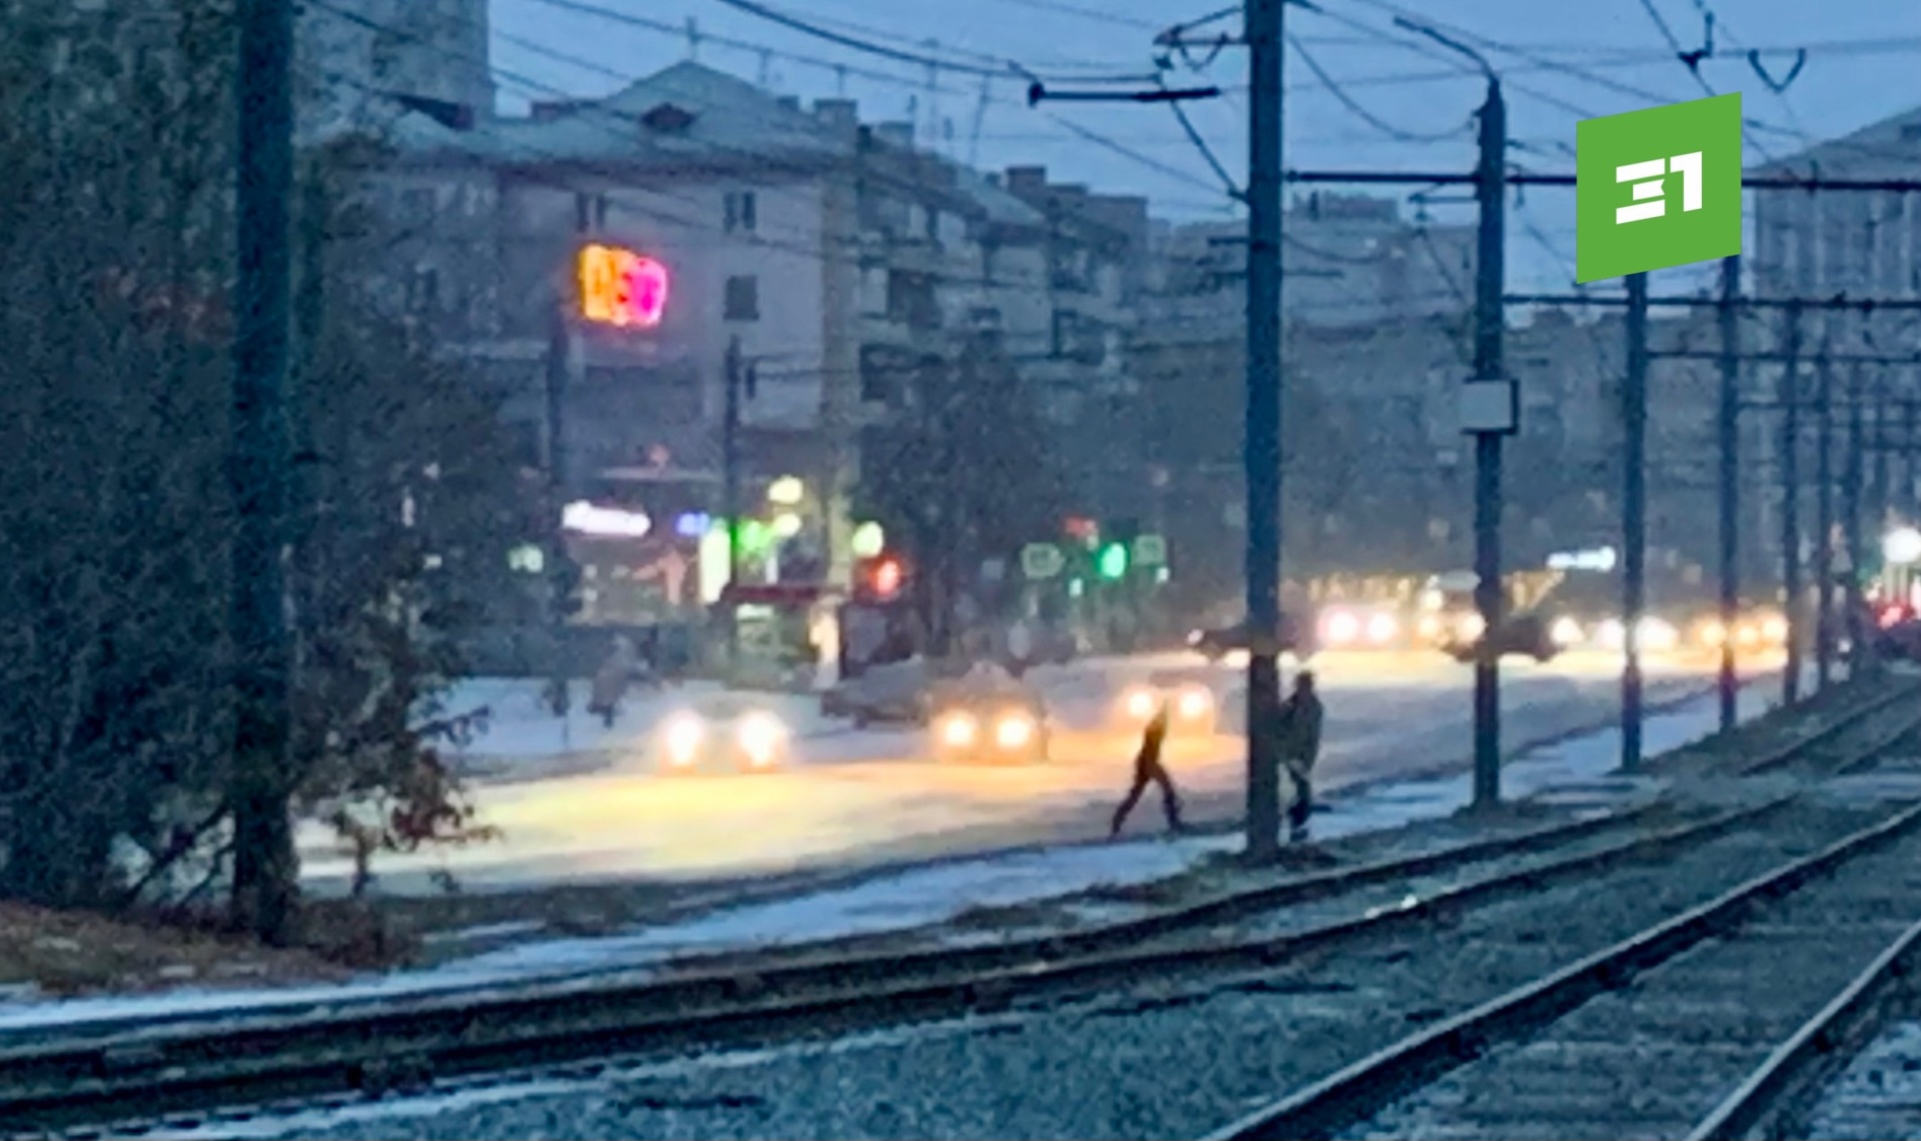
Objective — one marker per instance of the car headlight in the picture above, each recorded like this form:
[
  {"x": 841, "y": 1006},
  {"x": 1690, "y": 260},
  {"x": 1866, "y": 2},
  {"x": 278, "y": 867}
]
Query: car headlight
[
  {"x": 1140, "y": 703},
  {"x": 958, "y": 730},
  {"x": 1748, "y": 634},
  {"x": 1382, "y": 628},
  {"x": 1471, "y": 627},
  {"x": 1774, "y": 628},
  {"x": 684, "y": 734},
  {"x": 1712, "y": 634},
  {"x": 1342, "y": 628},
  {"x": 1194, "y": 704},
  {"x": 1430, "y": 626},
  {"x": 761, "y": 736},
  {"x": 1015, "y": 731},
  {"x": 1613, "y": 634},
  {"x": 1658, "y": 635},
  {"x": 1194, "y": 637},
  {"x": 1566, "y": 632}
]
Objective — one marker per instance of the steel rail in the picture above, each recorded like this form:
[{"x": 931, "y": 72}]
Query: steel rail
[
  {"x": 1356, "y": 1091},
  {"x": 1817, "y": 1049},
  {"x": 408, "y": 1042}
]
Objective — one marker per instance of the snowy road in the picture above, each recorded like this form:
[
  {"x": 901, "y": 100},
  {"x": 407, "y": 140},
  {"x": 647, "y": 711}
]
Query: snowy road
[{"x": 577, "y": 802}]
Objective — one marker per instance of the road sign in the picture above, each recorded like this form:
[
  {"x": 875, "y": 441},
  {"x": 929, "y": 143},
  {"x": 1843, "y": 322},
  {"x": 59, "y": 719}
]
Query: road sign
[
  {"x": 1150, "y": 551},
  {"x": 1041, "y": 560}
]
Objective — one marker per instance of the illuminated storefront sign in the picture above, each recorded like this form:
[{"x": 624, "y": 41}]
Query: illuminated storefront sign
[{"x": 619, "y": 287}]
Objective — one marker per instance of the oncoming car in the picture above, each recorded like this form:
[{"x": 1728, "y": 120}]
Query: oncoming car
[
  {"x": 751, "y": 740},
  {"x": 1191, "y": 705},
  {"x": 1361, "y": 628},
  {"x": 983, "y": 717}
]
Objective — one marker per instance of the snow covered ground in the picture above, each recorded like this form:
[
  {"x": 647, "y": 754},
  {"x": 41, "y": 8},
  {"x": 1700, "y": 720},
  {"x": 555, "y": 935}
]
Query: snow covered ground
[
  {"x": 1578, "y": 771},
  {"x": 864, "y": 799}
]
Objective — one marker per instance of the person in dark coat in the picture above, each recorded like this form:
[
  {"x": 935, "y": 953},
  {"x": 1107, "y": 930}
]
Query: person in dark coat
[
  {"x": 1301, "y": 716},
  {"x": 1149, "y": 770}
]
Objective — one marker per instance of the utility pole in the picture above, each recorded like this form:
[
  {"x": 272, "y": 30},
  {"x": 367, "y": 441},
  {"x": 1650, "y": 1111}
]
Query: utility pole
[
  {"x": 560, "y": 343},
  {"x": 1634, "y": 538},
  {"x": 263, "y": 866},
  {"x": 1858, "y": 649},
  {"x": 1728, "y": 424},
  {"x": 1879, "y": 493},
  {"x": 1824, "y": 521},
  {"x": 1910, "y": 422},
  {"x": 1261, "y": 454},
  {"x": 1790, "y": 399},
  {"x": 730, "y": 500},
  {"x": 1490, "y": 597}
]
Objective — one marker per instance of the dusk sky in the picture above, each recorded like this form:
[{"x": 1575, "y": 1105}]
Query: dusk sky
[{"x": 1408, "y": 102}]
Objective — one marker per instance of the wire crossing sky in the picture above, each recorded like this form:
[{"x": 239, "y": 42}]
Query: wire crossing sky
[{"x": 1363, "y": 93}]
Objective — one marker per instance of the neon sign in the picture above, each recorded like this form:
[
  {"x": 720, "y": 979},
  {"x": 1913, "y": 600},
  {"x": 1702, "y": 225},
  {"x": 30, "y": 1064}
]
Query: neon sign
[{"x": 619, "y": 287}]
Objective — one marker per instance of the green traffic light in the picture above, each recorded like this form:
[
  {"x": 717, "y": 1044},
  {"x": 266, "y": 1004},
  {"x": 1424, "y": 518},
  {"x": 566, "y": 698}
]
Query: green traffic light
[{"x": 1113, "y": 561}]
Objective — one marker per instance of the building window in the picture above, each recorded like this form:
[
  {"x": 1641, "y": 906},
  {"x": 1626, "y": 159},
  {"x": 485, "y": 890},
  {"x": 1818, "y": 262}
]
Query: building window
[
  {"x": 417, "y": 205},
  {"x": 423, "y": 291},
  {"x": 743, "y": 299},
  {"x": 385, "y": 54},
  {"x": 742, "y": 212}
]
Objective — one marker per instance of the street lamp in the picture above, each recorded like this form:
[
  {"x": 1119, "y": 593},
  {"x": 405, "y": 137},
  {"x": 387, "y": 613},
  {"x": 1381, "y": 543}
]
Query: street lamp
[{"x": 1902, "y": 546}]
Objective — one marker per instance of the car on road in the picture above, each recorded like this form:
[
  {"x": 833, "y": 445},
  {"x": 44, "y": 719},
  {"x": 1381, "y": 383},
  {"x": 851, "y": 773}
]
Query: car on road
[
  {"x": 896, "y": 692},
  {"x": 1217, "y": 643},
  {"x": 1193, "y": 707},
  {"x": 1529, "y": 634},
  {"x": 987, "y": 715},
  {"x": 731, "y": 737}
]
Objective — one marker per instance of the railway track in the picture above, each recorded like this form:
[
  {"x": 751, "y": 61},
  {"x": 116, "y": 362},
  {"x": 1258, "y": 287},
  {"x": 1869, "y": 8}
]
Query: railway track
[
  {"x": 1706, "y": 1025},
  {"x": 181, "y": 1069}
]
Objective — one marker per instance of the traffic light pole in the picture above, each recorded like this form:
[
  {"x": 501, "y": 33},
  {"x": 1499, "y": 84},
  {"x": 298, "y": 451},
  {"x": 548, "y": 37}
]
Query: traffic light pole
[
  {"x": 730, "y": 498},
  {"x": 1261, "y": 455}
]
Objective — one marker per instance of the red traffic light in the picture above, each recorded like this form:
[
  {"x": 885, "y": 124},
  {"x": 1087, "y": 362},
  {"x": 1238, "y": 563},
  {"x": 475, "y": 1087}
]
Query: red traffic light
[{"x": 880, "y": 578}]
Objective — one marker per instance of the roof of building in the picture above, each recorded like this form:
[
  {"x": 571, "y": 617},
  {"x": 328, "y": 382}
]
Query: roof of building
[
  {"x": 1000, "y": 206},
  {"x": 1889, "y": 148},
  {"x": 687, "y": 113}
]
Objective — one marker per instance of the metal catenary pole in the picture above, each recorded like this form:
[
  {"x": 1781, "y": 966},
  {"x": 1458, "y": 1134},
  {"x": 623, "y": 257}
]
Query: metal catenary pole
[
  {"x": 1634, "y": 538},
  {"x": 1824, "y": 521},
  {"x": 1728, "y": 425},
  {"x": 1262, "y": 441},
  {"x": 1859, "y": 651},
  {"x": 1490, "y": 595},
  {"x": 1790, "y": 462},
  {"x": 263, "y": 831}
]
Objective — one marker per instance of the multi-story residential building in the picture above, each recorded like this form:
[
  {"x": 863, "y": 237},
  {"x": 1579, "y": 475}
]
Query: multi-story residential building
[
  {"x": 1861, "y": 244},
  {"x": 831, "y": 262}
]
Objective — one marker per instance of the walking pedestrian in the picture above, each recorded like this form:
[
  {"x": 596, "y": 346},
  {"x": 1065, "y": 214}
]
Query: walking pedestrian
[
  {"x": 1149, "y": 770},
  {"x": 1300, "y": 737},
  {"x": 612, "y": 679}
]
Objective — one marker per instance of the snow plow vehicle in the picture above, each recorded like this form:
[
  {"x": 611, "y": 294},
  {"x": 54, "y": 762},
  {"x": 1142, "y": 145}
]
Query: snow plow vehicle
[{"x": 987, "y": 715}]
